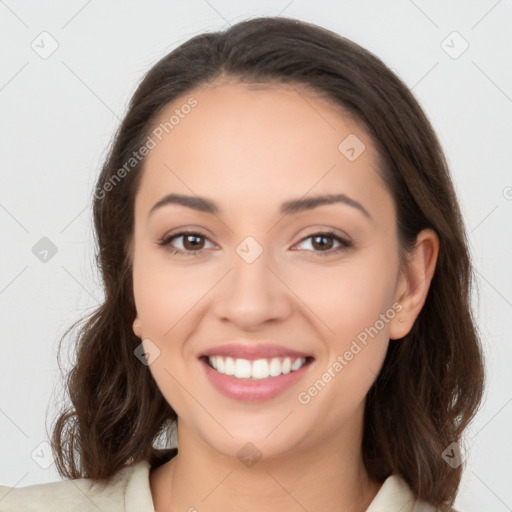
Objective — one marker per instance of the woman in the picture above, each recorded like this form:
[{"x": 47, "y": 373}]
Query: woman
[{"x": 287, "y": 284}]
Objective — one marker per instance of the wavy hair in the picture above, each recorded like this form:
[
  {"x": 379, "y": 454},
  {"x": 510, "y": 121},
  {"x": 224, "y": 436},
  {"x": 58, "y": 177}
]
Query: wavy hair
[{"x": 431, "y": 383}]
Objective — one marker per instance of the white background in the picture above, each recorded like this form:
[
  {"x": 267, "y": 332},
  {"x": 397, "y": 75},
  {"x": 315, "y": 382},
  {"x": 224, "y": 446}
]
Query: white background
[{"x": 59, "y": 114}]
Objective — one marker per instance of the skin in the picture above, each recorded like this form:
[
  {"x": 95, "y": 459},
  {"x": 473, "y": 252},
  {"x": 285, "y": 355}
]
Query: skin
[{"x": 249, "y": 149}]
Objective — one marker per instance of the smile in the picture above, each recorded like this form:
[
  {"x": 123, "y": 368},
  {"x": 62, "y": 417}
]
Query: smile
[
  {"x": 255, "y": 369},
  {"x": 254, "y": 380}
]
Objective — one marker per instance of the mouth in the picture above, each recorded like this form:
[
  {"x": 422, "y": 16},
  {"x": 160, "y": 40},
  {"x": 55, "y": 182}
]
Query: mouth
[
  {"x": 254, "y": 373},
  {"x": 255, "y": 369}
]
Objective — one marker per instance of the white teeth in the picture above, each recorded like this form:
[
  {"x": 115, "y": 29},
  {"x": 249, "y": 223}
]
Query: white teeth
[
  {"x": 287, "y": 365},
  {"x": 275, "y": 367},
  {"x": 297, "y": 364},
  {"x": 220, "y": 364},
  {"x": 229, "y": 367},
  {"x": 258, "y": 369},
  {"x": 242, "y": 369}
]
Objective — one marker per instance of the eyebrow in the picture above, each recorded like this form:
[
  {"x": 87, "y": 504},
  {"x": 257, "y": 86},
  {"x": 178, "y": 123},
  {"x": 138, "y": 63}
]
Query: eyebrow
[{"x": 205, "y": 205}]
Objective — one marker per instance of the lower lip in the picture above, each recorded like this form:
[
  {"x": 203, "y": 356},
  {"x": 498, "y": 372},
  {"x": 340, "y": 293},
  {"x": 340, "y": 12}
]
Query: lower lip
[{"x": 253, "y": 390}]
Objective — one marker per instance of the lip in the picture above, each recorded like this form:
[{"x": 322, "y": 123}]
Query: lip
[
  {"x": 252, "y": 350},
  {"x": 249, "y": 390}
]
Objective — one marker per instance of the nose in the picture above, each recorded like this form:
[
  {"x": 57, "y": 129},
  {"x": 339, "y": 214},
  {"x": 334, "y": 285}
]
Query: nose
[{"x": 253, "y": 294}]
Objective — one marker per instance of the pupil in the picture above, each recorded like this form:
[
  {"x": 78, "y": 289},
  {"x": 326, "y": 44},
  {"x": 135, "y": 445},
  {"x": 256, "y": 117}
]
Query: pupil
[
  {"x": 321, "y": 245},
  {"x": 195, "y": 240}
]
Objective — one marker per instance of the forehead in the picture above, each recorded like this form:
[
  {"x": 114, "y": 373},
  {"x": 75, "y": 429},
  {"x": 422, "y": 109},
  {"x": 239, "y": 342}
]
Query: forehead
[{"x": 260, "y": 142}]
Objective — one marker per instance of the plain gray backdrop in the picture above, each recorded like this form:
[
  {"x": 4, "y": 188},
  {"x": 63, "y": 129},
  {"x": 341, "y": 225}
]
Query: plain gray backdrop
[{"x": 68, "y": 70}]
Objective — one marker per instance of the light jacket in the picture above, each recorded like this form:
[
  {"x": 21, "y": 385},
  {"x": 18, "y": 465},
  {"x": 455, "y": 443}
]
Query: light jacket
[{"x": 129, "y": 491}]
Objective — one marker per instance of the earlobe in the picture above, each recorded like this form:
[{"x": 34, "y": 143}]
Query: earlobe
[
  {"x": 415, "y": 282},
  {"x": 137, "y": 329}
]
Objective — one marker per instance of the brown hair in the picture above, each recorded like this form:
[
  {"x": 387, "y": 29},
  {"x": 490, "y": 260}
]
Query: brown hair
[{"x": 432, "y": 380}]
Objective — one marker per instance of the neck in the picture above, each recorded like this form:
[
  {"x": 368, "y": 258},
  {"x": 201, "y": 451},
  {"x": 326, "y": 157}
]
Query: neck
[{"x": 329, "y": 476}]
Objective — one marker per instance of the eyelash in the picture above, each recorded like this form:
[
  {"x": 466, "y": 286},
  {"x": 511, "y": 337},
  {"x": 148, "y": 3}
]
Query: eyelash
[{"x": 166, "y": 240}]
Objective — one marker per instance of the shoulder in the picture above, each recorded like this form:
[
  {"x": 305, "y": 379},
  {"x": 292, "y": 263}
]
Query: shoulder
[
  {"x": 130, "y": 485},
  {"x": 395, "y": 495}
]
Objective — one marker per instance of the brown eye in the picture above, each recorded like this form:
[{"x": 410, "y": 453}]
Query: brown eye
[
  {"x": 323, "y": 243},
  {"x": 192, "y": 243}
]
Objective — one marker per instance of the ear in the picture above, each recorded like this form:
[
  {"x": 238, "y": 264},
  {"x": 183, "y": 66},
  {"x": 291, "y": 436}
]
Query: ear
[
  {"x": 414, "y": 282},
  {"x": 137, "y": 328}
]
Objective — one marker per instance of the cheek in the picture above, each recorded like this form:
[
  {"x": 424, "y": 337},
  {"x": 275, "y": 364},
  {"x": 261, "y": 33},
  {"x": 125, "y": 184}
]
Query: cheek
[
  {"x": 355, "y": 302},
  {"x": 166, "y": 299},
  {"x": 352, "y": 356},
  {"x": 165, "y": 294},
  {"x": 348, "y": 298}
]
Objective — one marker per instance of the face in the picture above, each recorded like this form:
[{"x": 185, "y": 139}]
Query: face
[{"x": 257, "y": 288}]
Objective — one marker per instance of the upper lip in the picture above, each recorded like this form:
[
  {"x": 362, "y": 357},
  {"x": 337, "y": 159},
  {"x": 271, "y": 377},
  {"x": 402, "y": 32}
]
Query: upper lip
[{"x": 252, "y": 350}]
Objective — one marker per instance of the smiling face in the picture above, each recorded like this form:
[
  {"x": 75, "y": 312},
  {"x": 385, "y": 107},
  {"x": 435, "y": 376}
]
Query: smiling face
[{"x": 258, "y": 272}]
